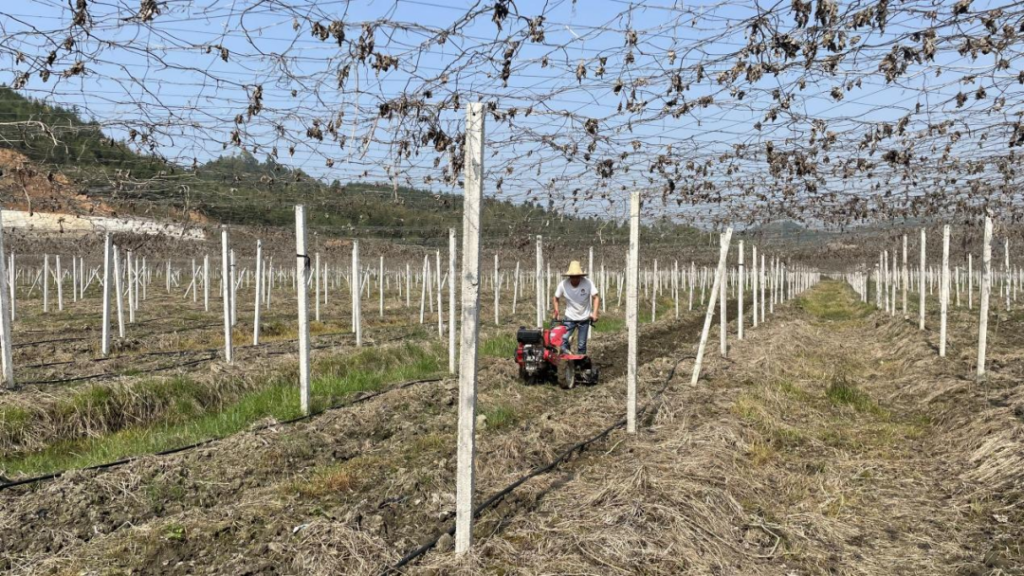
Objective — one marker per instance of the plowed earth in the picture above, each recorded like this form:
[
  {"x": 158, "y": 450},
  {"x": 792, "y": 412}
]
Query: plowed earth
[{"x": 831, "y": 441}]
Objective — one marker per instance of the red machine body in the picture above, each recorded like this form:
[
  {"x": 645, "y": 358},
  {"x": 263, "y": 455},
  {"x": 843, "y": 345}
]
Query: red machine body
[{"x": 539, "y": 356}]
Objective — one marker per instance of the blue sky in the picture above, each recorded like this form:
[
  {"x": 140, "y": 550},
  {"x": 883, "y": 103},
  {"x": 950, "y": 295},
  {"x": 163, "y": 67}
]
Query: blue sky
[{"x": 170, "y": 75}]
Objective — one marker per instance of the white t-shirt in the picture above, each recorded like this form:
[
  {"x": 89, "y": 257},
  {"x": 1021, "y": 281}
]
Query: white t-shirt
[{"x": 578, "y": 299}]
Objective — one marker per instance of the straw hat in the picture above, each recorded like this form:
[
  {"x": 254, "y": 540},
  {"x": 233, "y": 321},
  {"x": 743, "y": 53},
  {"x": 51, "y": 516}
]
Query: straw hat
[{"x": 575, "y": 269}]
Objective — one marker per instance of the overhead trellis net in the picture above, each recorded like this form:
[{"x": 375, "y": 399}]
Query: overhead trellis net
[{"x": 744, "y": 112}]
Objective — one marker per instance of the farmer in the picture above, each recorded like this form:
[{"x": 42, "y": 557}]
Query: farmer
[{"x": 581, "y": 305}]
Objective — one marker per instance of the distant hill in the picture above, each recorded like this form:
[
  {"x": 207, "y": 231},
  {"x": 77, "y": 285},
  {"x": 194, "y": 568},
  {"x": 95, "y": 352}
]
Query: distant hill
[
  {"x": 78, "y": 142},
  {"x": 240, "y": 189}
]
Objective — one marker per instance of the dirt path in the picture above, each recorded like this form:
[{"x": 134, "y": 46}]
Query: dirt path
[
  {"x": 377, "y": 477},
  {"x": 832, "y": 442}
]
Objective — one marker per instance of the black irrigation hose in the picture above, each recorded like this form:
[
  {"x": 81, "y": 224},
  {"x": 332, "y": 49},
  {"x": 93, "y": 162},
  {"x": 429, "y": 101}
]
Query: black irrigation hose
[
  {"x": 115, "y": 374},
  {"x": 47, "y": 364},
  {"x": 329, "y": 346},
  {"x": 54, "y": 341},
  {"x": 80, "y": 338},
  {"x": 178, "y": 353},
  {"x": 339, "y": 406},
  {"x": 416, "y": 553},
  {"x": 213, "y": 351},
  {"x": 561, "y": 458},
  {"x": 93, "y": 329},
  {"x": 133, "y": 357},
  {"x": 122, "y": 462}
]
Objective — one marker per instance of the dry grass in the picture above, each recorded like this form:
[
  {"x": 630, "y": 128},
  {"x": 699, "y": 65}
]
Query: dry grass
[
  {"x": 293, "y": 474},
  {"x": 104, "y": 422},
  {"x": 800, "y": 456},
  {"x": 829, "y": 443}
]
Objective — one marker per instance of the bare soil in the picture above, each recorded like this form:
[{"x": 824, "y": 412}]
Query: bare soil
[
  {"x": 385, "y": 467},
  {"x": 820, "y": 446}
]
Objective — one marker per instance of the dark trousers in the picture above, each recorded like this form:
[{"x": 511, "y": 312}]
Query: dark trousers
[{"x": 583, "y": 326}]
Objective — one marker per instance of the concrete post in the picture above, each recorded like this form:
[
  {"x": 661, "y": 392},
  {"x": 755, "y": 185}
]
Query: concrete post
[
  {"x": 723, "y": 257},
  {"x": 451, "y": 297},
  {"x": 225, "y": 270},
  {"x": 740, "y": 287},
  {"x": 357, "y": 294},
  {"x": 944, "y": 291},
  {"x": 206, "y": 282},
  {"x": 538, "y": 284},
  {"x": 259, "y": 293},
  {"x": 6, "y": 335},
  {"x": 470, "y": 327},
  {"x": 921, "y": 284},
  {"x": 986, "y": 288},
  {"x": 632, "y": 281},
  {"x": 118, "y": 294},
  {"x": 904, "y": 277},
  {"x": 105, "y": 341},
  {"x": 302, "y": 291}
]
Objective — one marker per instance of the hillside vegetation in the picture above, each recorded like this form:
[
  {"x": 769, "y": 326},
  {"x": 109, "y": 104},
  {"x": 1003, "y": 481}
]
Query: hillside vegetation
[{"x": 240, "y": 189}]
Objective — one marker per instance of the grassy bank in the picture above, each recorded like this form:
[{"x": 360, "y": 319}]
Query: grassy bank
[
  {"x": 186, "y": 419},
  {"x": 834, "y": 301}
]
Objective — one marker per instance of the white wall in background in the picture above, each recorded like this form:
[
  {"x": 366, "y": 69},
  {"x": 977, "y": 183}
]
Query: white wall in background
[{"x": 67, "y": 223}]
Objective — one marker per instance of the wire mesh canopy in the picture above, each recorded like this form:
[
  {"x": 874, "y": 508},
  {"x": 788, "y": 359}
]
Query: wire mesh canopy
[{"x": 823, "y": 112}]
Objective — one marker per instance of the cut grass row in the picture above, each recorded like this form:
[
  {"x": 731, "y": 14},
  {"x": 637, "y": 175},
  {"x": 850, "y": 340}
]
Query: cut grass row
[
  {"x": 108, "y": 421},
  {"x": 834, "y": 301},
  {"x": 187, "y": 421},
  {"x": 187, "y": 411},
  {"x": 812, "y": 404},
  {"x": 333, "y": 478}
]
